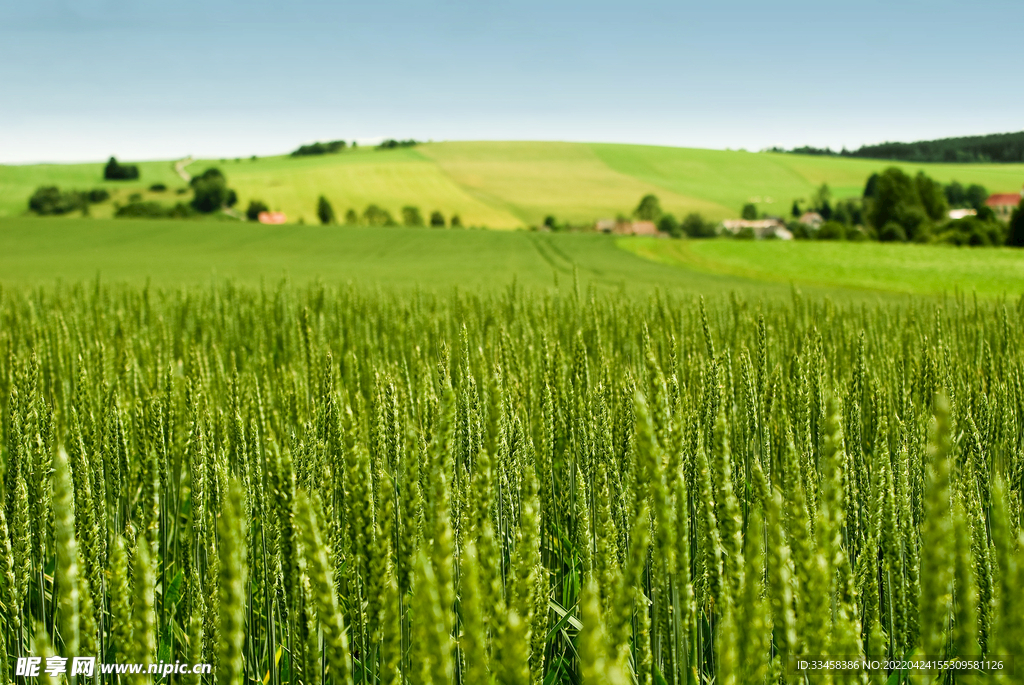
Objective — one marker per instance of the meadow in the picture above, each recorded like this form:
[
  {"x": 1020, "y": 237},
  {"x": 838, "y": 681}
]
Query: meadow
[
  {"x": 868, "y": 266},
  {"x": 510, "y": 184},
  {"x": 170, "y": 253}
]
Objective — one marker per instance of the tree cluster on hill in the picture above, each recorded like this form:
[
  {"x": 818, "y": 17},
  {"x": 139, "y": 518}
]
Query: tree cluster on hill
[
  {"x": 972, "y": 197},
  {"x": 997, "y": 147},
  {"x": 51, "y": 200},
  {"x": 210, "y": 191},
  {"x": 391, "y": 144},
  {"x": 693, "y": 225},
  {"x": 375, "y": 215},
  {"x": 897, "y": 207},
  {"x": 115, "y": 171},
  {"x": 319, "y": 148}
]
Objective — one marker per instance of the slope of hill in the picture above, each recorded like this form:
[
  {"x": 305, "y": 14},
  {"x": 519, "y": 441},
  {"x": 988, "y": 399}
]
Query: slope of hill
[{"x": 509, "y": 184}]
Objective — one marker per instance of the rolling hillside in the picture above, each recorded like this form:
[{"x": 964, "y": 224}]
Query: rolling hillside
[{"x": 508, "y": 184}]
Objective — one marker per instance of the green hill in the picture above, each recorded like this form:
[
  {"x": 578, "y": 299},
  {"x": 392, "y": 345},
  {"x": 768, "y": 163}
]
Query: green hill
[{"x": 508, "y": 184}]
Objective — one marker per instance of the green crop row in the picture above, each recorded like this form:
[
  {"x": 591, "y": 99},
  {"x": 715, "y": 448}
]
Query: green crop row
[{"x": 313, "y": 485}]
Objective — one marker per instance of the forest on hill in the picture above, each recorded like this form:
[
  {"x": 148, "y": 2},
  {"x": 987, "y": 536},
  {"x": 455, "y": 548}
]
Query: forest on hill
[{"x": 996, "y": 147}]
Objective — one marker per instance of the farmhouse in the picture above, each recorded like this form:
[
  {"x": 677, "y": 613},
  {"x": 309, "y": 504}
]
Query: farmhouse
[
  {"x": 762, "y": 228},
  {"x": 1003, "y": 204},
  {"x": 272, "y": 218},
  {"x": 627, "y": 227},
  {"x": 812, "y": 219}
]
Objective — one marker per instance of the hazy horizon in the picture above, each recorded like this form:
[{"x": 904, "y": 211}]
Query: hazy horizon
[{"x": 86, "y": 79}]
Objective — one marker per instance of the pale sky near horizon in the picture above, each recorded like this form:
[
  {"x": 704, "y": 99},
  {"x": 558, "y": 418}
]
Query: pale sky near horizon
[{"x": 84, "y": 79}]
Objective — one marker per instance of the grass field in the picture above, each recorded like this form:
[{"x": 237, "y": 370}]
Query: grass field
[
  {"x": 170, "y": 253},
  {"x": 911, "y": 269},
  {"x": 509, "y": 184}
]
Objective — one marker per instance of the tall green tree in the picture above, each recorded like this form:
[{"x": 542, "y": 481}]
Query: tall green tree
[
  {"x": 324, "y": 211},
  {"x": 897, "y": 201},
  {"x": 649, "y": 208},
  {"x": 933, "y": 198},
  {"x": 749, "y": 211},
  {"x": 411, "y": 216},
  {"x": 210, "y": 191},
  {"x": 1015, "y": 238}
]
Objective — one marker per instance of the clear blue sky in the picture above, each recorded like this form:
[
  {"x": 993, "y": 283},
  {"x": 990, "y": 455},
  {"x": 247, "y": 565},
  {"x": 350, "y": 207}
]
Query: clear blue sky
[{"x": 83, "y": 79}]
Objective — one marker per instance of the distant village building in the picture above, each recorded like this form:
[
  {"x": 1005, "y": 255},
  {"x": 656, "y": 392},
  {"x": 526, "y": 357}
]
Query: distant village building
[
  {"x": 647, "y": 228},
  {"x": 272, "y": 218},
  {"x": 1003, "y": 204},
  {"x": 812, "y": 219},
  {"x": 962, "y": 213},
  {"x": 762, "y": 228}
]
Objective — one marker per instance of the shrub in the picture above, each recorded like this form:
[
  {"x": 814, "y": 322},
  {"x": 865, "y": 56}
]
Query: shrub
[
  {"x": 832, "y": 230},
  {"x": 158, "y": 187},
  {"x": 437, "y": 219},
  {"x": 749, "y": 211},
  {"x": 252, "y": 213},
  {"x": 892, "y": 232},
  {"x": 456, "y": 222},
  {"x": 670, "y": 225},
  {"x": 857, "y": 234},
  {"x": 411, "y": 216},
  {"x": 375, "y": 216},
  {"x": 114, "y": 171},
  {"x": 972, "y": 231},
  {"x": 746, "y": 233},
  {"x": 801, "y": 231},
  {"x": 695, "y": 226},
  {"x": 351, "y": 218},
  {"x": 324, "y": 211},
  {"x": 49, "y": 200}
]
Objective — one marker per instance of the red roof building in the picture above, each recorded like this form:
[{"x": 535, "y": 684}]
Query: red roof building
[
  {"x": 272, "y": 218},
  {"x": 1003, "y": 204}
]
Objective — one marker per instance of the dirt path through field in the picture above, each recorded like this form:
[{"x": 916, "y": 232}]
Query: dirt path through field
[{"x": 179, "y": 168}]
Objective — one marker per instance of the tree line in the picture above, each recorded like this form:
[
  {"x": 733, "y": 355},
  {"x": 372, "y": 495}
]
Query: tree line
[{"x": 996, "y": 147}]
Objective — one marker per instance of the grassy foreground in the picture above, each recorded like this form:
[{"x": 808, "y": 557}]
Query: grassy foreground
[
  {"x": 320, "y": 486},
  {"x": 510, "y": 184},
  {"x": 172, "y": 253}
]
